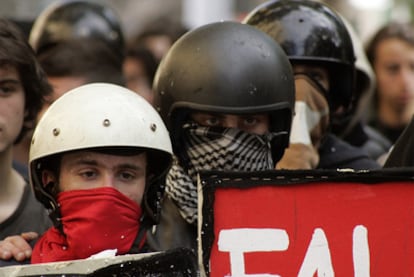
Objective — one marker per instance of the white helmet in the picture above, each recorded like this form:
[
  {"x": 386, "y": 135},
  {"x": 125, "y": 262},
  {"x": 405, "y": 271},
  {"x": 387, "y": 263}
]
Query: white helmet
[{"x": 101, "y": 116}]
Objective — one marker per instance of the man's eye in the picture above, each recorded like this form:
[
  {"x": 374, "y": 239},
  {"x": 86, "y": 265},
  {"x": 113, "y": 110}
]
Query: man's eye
[
  {"x": 317, "y": 77},
  {"x": 127, "y": 175},
  {"x": 250, "y": 121},
  {"x": 88, "y": 174},
  {"x": 7, "y": 89},
  {"x": 393, "y": 68},
  {"x": 213, "y": 121}
]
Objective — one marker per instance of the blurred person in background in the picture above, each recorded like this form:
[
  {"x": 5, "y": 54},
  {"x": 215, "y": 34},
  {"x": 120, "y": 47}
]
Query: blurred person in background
[
  {"x": 139, "y": 69},
  {"x": 66, "y": 20},
  {"x": 391, "y": 54},
  {"x": 159, "y": 36},
  {"x": 23, "y": 88},
  {"x": 76, "y": 62}
]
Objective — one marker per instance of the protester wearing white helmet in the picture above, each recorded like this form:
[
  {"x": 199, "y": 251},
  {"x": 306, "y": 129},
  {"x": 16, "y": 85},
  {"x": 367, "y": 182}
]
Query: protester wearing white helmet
[{"x": 98, "y": 160}]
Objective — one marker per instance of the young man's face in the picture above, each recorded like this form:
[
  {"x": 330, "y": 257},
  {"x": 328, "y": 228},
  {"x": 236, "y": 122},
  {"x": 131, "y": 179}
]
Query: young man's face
[
  {"x": 12, "y": 106},
  {"x": 394, "y": 68},
  {"x": 87, "y": 170},
  {"x": 251, "y": 123}
]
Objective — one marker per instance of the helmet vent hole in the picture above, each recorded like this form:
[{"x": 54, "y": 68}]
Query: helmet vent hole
[
  {"x": 301, "y": 20},
  {"x": 106, "y": 123},
  {"x": 153, "y": 127},
  {"x": 56, "y": 132}
]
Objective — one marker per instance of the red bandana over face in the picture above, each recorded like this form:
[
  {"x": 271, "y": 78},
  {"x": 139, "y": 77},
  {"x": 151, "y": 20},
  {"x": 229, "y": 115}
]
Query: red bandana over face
[{"x": 93, "y": 220}]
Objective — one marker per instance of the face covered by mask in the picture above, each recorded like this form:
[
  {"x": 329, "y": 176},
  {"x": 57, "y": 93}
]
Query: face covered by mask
[
  {"x": 309, "y": 125},
  {"x": 88, "y": 218},
  {"x": 311, "y": 118},
  {"x": 215, "y": 148}
]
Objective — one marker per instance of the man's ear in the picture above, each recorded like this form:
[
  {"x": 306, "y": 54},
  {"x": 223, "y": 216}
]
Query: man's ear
[{"x": 48, "y": 178}]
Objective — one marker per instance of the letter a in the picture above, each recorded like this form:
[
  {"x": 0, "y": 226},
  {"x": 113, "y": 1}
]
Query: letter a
[{"x": 318, "y": 257}]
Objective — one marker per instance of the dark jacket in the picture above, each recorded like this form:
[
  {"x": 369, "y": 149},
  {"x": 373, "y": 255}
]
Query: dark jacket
[
  {"x": 172, "y": 231},
  {"x": 368, "y": 139},
  {"x": 402, "y": 154},
  {"x": 335, "y": 153}
]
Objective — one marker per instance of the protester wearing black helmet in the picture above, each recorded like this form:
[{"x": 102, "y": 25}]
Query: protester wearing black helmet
[
  {"x": 226, "y": 93},
  {"x": 77, "y": 19},
  {"x": 321, "y": 53}
]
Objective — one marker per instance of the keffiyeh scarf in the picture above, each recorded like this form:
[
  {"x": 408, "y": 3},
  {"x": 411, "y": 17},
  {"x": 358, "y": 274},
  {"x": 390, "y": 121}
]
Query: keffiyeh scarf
[{"x": 212, "y": 148}]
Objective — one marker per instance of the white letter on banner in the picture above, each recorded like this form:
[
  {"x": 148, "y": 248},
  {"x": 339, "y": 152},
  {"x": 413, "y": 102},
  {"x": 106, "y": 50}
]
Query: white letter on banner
[
  {"x": 244, "y": 240},
  {"x": 317, "y": 257},
  {"x": 360, "y": 251}
]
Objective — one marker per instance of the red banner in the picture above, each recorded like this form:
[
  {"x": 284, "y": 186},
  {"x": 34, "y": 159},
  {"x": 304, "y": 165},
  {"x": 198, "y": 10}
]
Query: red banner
[{"x": 323, "y": 228}]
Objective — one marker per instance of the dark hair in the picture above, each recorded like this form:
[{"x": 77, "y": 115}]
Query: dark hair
[
  {"x": 15, "y": 51},
  {"x": 162, "y": 27},
  {"x": 402, "y": 31},
  {"x": 88, "y": 58},
  {"x": 393, "y": 30},
  {"x": 145, "y": 56}
]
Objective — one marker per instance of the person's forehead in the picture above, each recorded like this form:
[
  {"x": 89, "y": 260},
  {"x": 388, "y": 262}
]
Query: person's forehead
[
  {"x": 97, "y": 156},
  {"x": 394, "y": 46}
]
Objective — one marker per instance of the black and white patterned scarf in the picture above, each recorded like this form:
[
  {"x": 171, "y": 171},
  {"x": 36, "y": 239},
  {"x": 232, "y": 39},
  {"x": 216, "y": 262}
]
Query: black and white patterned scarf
[{"x": 208, "y": 148}]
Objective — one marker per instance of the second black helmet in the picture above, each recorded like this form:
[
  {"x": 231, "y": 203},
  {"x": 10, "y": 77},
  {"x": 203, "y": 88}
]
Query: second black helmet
[
  {"x": 225, "y": 67},
  {"x": 311, "y": 32},
  {"x": 77, "y": 19}
]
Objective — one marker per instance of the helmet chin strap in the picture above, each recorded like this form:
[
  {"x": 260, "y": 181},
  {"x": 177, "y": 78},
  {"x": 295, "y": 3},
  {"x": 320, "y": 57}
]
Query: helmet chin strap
[
  {"x": 325, "y": 92},
  {"x": 54, "y": 211},
  {"x": 315, "y": 83}
]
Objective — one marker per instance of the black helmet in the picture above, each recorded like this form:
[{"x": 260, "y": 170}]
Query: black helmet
[
  {"x": 225, "y": 67},
  {"x": 77, "y": 19},
  {"x": 310, "y": 32}
]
